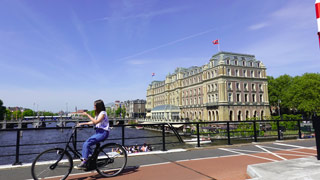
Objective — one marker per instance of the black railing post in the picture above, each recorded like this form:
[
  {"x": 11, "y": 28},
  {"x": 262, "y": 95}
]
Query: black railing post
[
  {"x": 198, "y": 135},
  {"x": 17, "y": 149},
  {"x": 122, "y": 127},
  {"x": 299, "y": 128},
  {"x": 75, "y": 140},
  {"x": 316, "y": 127},
  {"x": 228, "y": 131},
  {"x": 255, "y": 131},
  {"x": 163, "y": 138},
  {"x": 278, "y": 128}
]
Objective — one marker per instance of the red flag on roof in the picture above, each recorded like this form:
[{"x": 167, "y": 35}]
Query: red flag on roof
[{"x": 215, "y": 42}]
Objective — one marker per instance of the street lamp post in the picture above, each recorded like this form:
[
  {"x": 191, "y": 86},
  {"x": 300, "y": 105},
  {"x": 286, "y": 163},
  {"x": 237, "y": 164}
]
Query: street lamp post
[{"x": 279, "y": 111}]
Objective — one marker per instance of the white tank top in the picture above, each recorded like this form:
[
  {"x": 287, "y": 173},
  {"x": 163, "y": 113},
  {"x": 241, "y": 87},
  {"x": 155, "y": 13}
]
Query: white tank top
[{"x": 104, "y": 124}]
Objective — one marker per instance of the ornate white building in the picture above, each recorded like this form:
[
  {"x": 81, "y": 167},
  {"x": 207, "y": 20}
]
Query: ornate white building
[{"x": 231, "y": 86}]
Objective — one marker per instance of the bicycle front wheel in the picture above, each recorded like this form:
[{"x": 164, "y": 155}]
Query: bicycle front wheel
[
  {"x": 111, "y": 160},
  {"x": 52, "y": 162}
]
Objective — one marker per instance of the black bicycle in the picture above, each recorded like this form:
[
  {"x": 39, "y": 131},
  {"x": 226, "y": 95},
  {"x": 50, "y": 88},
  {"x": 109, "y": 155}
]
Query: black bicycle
[{"x": 108, "y": 160}]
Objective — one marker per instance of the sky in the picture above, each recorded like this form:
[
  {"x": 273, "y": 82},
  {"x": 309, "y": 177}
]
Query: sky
[{"x": 57, "y": 54}]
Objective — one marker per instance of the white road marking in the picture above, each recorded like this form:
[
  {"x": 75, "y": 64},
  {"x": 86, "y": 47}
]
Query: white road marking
[
  {"x": 249, "y": 155},
  {"x": 290, "y": 145},
  {"x": 292, "y": 150},
  {"x": 270, "y": 152}
]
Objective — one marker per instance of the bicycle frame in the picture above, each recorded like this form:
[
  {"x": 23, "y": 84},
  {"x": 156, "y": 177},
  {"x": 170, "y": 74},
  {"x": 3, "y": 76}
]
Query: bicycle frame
[
  {"x": 74, "y": 149},
  {"x": 91, "y": 163}
]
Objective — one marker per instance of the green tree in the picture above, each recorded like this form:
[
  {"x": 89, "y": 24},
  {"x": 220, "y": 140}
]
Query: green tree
[
  {"x": 8, "y": 114},
  {"x": 278, "y": 90},
  {"x": 304, "y": 93},
  {"x": 2, "y": 110},
  {"x": 28, "y": 112}
]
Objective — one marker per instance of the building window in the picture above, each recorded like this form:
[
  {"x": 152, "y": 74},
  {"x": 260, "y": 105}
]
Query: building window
[
  {"x": 238, "y": 98},
  {"x": 243, "y": 63},
  {"x": 199, "y": 100},
  {"x": 251, "y": 64},
  {"x": 245, "y": 73},
  {"x": 229, "y": 86},
  {"x": 237, "y": 72},
  {"x": 238, "y": 86},
  {"x": 228, "y": 62},
  {"x": 236, "y": 63},
  {"x": 228, "y": 72},
  {"x": 217, "y": 98},
  {"x": 230, "y": 97},
  {"x": 199, "y": 91},
  {"x": 252, "y": 74},
  {"x": 246, "y": 98},
  {"x": 245, "y": 86},
  {"x": 253, "y": 98},
  {"x": 260, "y": 87},
  {"x": 261, "y": 98},
  {"x": 209, "y": 98},
  {"x": 253, "y": 87},
  {"x": 259, "y": 74}
]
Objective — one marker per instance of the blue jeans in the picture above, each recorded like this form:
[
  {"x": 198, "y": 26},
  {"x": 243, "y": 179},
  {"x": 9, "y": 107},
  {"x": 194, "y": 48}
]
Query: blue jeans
[{"x": 99, "y": 136}]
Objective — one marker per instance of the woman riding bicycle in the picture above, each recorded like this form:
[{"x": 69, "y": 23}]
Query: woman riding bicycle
[{"x": 102, "y": 131}]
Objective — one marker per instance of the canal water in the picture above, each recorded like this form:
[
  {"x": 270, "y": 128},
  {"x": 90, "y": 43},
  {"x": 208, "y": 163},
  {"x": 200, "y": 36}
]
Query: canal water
[{"x": 30, "y": 140}]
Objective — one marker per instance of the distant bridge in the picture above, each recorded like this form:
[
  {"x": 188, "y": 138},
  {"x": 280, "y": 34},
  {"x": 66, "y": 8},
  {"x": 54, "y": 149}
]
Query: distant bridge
[{"x": 41, "y": 121}]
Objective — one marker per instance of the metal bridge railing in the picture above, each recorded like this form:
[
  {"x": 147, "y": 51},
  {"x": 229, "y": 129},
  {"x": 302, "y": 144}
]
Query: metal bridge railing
[{"x": 217, "y": 130}]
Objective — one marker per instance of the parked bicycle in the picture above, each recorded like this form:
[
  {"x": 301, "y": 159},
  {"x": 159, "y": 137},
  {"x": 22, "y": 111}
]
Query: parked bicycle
[{"x": 108, "y": 160}]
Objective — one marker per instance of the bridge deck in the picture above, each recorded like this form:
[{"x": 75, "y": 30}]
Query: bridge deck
[{"x": 222, "y": 163}]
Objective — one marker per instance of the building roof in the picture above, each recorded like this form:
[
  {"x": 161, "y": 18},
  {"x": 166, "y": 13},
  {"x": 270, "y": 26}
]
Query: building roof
[{"x": 167, "y": 107}]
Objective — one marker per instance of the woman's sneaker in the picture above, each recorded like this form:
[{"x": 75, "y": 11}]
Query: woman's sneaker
[{"x": 81, "y": 166}]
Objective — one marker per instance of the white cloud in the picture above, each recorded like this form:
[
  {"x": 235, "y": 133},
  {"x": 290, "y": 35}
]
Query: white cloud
[
  {"x": 258, "y": 26},
  {"x": 142, "y": 15}
]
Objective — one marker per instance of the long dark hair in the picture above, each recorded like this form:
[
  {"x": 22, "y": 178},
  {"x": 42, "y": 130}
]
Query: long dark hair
[{"x": 99, "y": 107}]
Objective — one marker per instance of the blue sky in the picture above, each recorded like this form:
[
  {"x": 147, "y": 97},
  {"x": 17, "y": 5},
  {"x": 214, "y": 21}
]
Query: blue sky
[{"x": 58, "y": 53}]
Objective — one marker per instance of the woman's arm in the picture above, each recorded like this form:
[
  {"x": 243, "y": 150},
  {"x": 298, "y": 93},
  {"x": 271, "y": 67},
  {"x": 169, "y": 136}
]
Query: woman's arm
[{"x": 94, "y": 121}]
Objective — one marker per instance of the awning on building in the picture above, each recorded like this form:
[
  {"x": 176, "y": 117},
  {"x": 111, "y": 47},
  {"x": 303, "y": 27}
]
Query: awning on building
[{"x": 177, "y": 125}]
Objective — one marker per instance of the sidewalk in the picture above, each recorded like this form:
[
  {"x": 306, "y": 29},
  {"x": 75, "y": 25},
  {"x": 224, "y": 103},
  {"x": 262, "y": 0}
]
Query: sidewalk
[{"x": 222, "y": 163}]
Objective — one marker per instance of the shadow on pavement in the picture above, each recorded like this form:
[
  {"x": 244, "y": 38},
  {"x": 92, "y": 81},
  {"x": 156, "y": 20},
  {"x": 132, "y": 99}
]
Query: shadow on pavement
[{"x": 126, "y": 171}]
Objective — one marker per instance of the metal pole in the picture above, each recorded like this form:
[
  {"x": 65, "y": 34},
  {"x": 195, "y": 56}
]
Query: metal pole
[
  {"x": 17, "y": 149},
  {"x": 255, "y": 131},
  {"x": 163, "y": 139},
  {"x": 75, "y": 140},
  {"x": 278, "y": 128},
  {"x": 316, "y": 127},
  {"x": 122, "y": 128},
  {"x": 299, "y": 128},
  {"x": 228, "y": 131},
  {"x": 198, "y": 135}
]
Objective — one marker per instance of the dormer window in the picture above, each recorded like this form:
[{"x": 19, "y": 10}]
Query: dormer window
[
  {"x": 236, "y": 63},
  {"x": 243, "y": 63},
  {"x": 228, "y": 61}
]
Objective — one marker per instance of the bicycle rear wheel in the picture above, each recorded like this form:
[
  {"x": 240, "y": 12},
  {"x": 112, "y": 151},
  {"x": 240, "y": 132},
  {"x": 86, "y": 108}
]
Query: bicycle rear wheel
[
  {"x": 111, "y": 160},
  {"x": 52, "y": 162}
]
